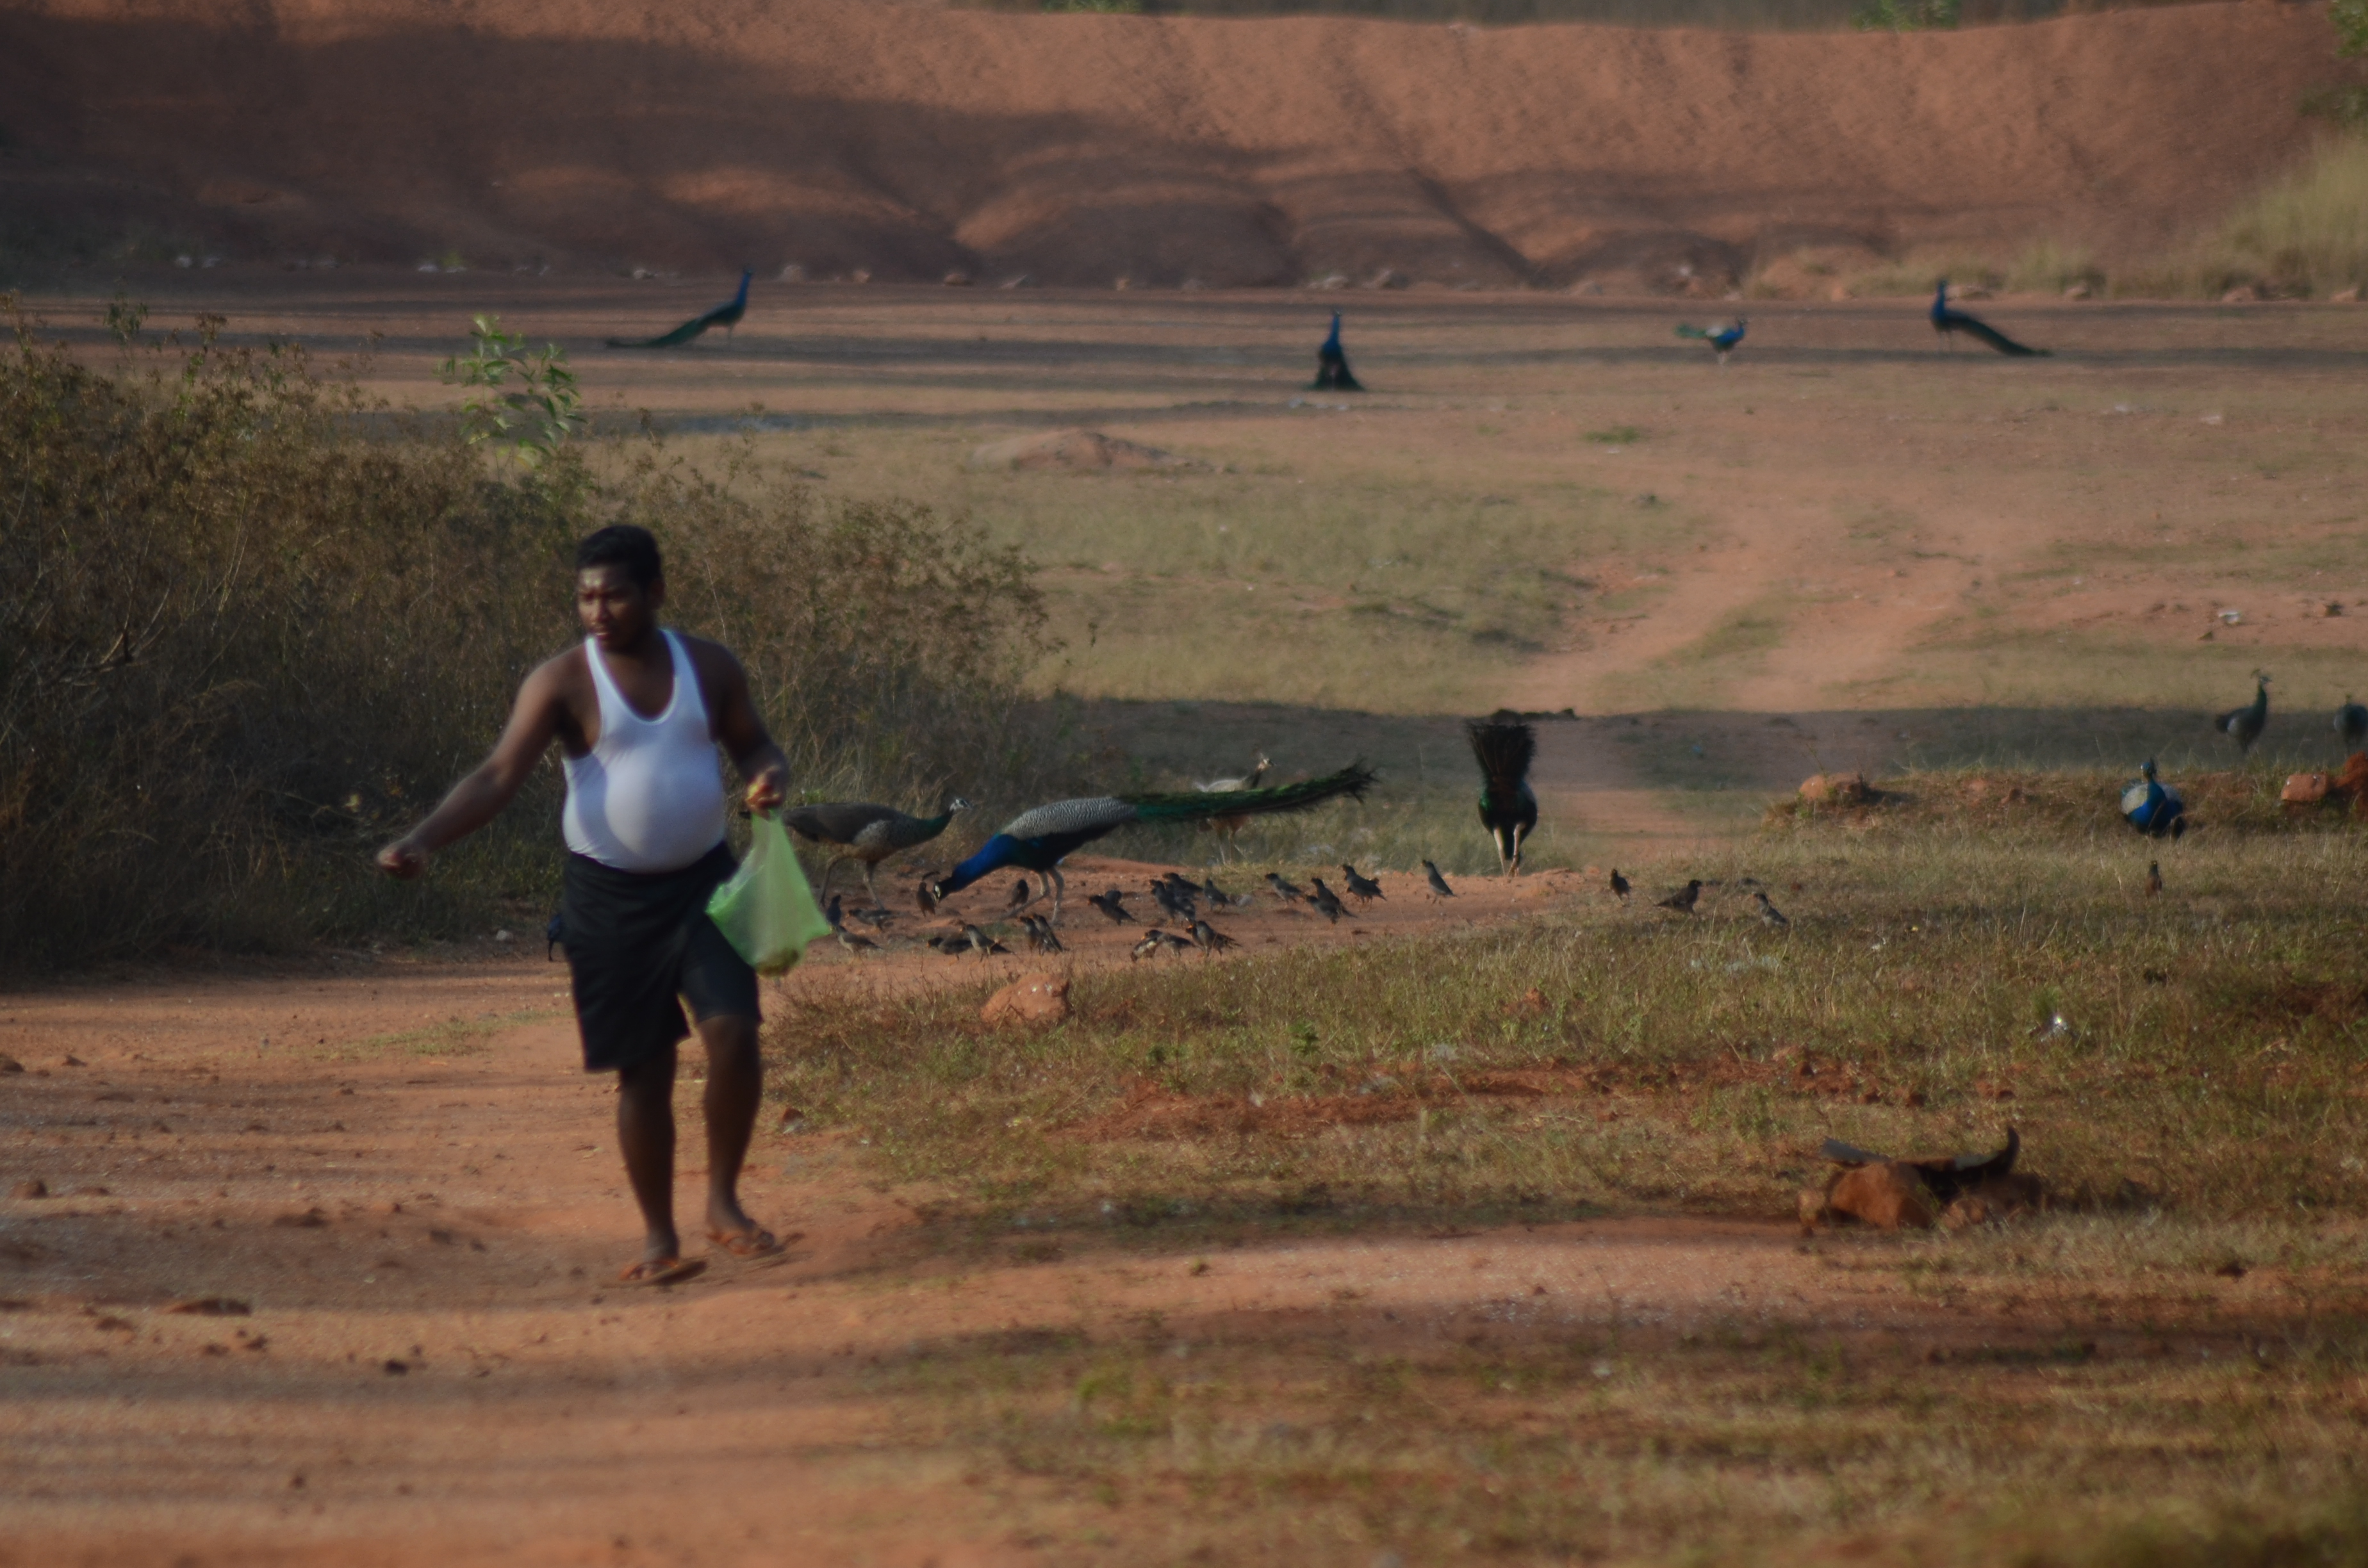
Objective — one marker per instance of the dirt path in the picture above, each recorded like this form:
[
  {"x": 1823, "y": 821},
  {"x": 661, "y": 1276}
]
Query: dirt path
[{"x": 409, "y": 1201}]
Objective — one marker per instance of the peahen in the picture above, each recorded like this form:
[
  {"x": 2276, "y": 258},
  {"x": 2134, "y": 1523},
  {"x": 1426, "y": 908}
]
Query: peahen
[
  {"x": 1947, "y": 321},
  {"x": 1041, "y": 839},
  {"x": 2153, "y": 807},
  {"x": 1722, "y": 339},
  {"x": 2244, "y": 725},
  {"x": 726, "y": 315},
  {"x": 861, "y": 831},
  {"x": 2351, "y": 723},
  {"x": 1228, "y": 829},
  {"x": 1332, "y": 373},
  {"x": 1508, "y": 810}
]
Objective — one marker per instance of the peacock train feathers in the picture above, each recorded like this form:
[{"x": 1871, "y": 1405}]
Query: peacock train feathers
[{"x": 1040, "y": 838}]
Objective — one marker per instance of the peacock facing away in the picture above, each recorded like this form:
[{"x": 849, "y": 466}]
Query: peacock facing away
[
  {"x": 2153, "y": 807},
  {"x": 726, "y": 315},
  {"x": 1722, "y": 339},
  {"x": 1948, "y": 321},
  {"x": 1332, "y": 373},
  {"x": 865, "y": 833},
  {"x": 2244, "y": 725},
  {"x": 1038, "y": 840},
  {"x": 1508, "y": 810}
]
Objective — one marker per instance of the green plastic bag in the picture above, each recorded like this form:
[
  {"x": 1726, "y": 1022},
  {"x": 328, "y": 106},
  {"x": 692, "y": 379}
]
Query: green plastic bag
[{"x": 765, "y": 910}]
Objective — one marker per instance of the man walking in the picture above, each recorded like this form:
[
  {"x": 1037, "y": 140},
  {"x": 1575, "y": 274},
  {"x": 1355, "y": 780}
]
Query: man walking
[{"x": 638, "y": 713}]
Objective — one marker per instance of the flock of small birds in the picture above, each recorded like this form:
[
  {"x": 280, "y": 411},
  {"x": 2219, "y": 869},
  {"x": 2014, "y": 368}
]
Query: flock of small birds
[{"x": 1179, "y": 917}]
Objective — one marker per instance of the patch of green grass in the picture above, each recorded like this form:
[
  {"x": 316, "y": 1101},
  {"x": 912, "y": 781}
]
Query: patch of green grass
[
  {"x": 1617, "y": 436},
  {"x": 458, "y": 1037}
]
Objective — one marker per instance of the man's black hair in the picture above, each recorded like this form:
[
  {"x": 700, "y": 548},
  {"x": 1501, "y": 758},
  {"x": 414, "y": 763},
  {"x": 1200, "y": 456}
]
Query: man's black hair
[{"x": 623, "y": 544}]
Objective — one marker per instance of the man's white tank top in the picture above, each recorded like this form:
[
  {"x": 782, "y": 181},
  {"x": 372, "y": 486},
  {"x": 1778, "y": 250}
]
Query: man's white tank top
[{"x": 649, "y": 795}]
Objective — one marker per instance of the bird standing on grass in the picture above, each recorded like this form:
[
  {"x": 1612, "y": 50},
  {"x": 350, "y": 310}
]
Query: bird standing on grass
[
  {"x": 1620, "y": 885},
  {"x": 1364, "y": 890},
  {"x": 1508, "y": 810},
  {"x": 866, "y": 833},
  {"x": 836, "y": 915},
  {"x": 1722, "y": 339},
  {"x": 1041, "y": 839},
  {"x": 1684, "y": 899},
  {"x": 981, "y": 943},
  {"x": 2351, "y": 723},
  {"x": 1209, "y": 939},
  {"x": 1175, "y": 900},
  {"x": 2154, "y": 878},
  {"x": 726, "y": 315},
  {"x": 1768, "y": 913},
  {"x": 1437, "y": 883},
  {"x": 1947, "y": 321},
  {"x": 2245, "y": 725},
  {"x": 1155, "y": 941},
  {"x": 1041, "y": 934},
  {"x": 1332, "y": 364},
  {"x": 1288, "y": 891},
  {"x": 2153, "y": 807},
  {"x": 1112, "y": 903},
  {"x": 1326, "y": 901}
]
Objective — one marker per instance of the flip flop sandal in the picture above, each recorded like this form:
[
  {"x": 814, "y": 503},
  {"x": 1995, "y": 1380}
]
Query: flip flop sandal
[
  {"x": 759, "y": 1242},
  {"x": 668, "y": 1271}
]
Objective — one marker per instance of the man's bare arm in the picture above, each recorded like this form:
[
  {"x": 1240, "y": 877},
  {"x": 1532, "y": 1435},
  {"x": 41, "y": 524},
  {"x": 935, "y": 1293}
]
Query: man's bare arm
[
  {"x": 742, "y": 733},
  {"x": 479, "y": 797}
]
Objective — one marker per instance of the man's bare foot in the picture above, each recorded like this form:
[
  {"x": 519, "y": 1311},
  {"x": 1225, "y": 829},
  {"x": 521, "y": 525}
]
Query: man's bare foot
[{"x": 663, "y": 1270}]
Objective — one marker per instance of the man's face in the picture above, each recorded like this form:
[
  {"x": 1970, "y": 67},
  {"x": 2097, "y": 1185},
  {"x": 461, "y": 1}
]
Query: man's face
[{"x": 616, "y": 611}]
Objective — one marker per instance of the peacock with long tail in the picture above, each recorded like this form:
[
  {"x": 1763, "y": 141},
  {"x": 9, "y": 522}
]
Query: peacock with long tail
[
  {"x": 866, "y": 833},
  {"x": 1038, "y": 840},
  {"x": 2153, "y": 807},
  {"x": 1722, "y": 339},
  {"x": 1949, "y": 321},
  {"x": 1508, "y": 810},
  {"x": 726, "y": 315},
  {"x": 2244, "y": 725},
  {"x": 1332, "y": 373}
]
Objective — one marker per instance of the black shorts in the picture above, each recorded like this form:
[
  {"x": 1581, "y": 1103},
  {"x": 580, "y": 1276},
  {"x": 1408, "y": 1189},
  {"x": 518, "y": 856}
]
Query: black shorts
[{"x": 636, "y": 942}]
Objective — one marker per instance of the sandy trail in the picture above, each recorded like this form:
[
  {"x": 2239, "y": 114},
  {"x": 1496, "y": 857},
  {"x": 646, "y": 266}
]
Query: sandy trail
[{"x": 415, "y": 1197}]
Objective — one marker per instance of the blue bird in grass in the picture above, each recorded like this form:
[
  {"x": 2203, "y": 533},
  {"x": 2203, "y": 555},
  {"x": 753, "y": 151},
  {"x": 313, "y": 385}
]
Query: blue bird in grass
[
  {"x": 2153, "y": 807},
  {"x": 1038, "y": 840},
  {"x": 726, "y": 315},
  {"x": 1720, "y": 338},
  {"x": 1948, "y": 321},
  {"x": 1332, "y": 373}
]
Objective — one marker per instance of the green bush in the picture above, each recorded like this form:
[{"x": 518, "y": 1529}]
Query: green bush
[{"x": 253, "y": 627}]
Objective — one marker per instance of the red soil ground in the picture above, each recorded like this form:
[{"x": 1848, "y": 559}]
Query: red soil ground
[{"x": 906, "y": 140}]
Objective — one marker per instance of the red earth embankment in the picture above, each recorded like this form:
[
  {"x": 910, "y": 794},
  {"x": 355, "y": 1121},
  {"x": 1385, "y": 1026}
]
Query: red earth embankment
[{"x": 908, "y": 141}]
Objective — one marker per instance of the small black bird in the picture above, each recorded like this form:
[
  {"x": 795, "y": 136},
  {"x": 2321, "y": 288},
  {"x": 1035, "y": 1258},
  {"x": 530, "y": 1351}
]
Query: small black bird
[
  {"x": 836, "y": 916},
  {"x": 1437, "y": 883},
  {"x": 1682, "y": 901},
  {"x": 1021, "y": 897},
  {"x": 1327, "y": 903},
  {"x": 2244, "y": 725},
  {"x": 552, "y": 934},
  {"x": 1620, "y": 885},
  {"x": 1508, "y": 810},
  {"x": 1768, "y": 913},
  {"x": 1041, "y": 934},
  {"x": 1284, "y": 891},
  {"x": 927, "y": 900},
  {"x": 1364, "y": 890},
  {"x": 1155, "y": 941},
  {"x": 1210, "y": 938},
  {"x": 2154, "y": 878},
  {"x": 1175, "y": 900},
  {"x": 1112, "y": 903}
]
